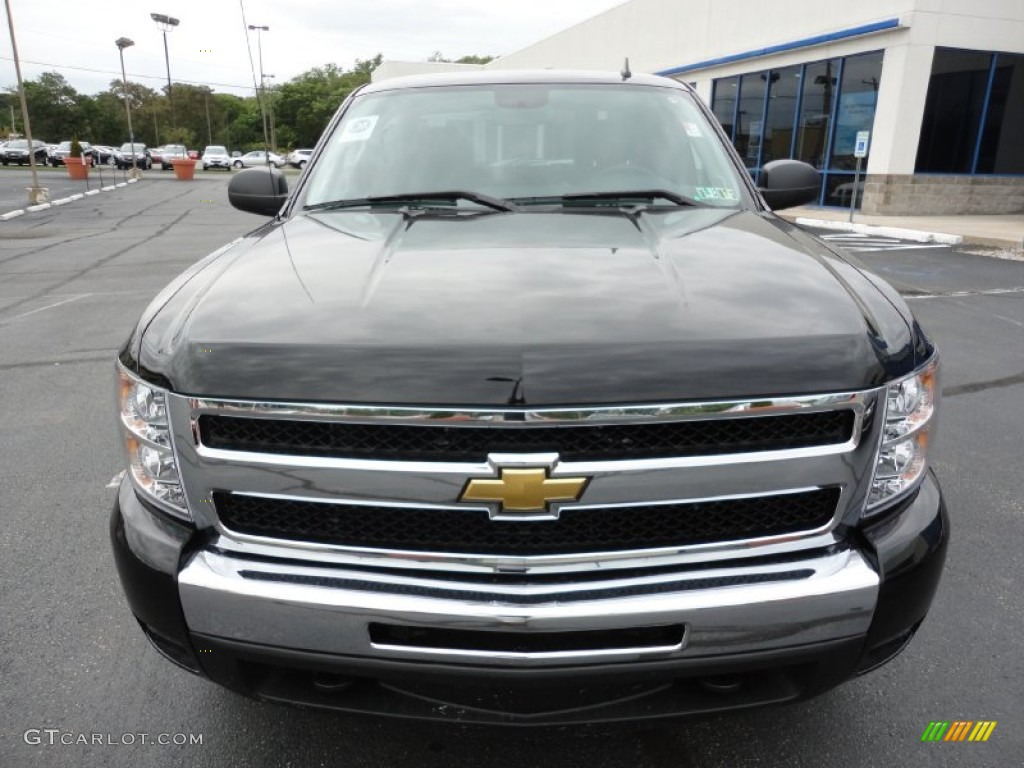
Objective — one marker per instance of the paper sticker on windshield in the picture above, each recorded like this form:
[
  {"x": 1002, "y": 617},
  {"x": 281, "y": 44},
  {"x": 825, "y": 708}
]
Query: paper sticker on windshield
[
  {"x": 359, "y": 129},
  {"x": 716, "y": 193},
  {"x": 692, "y": 129}
]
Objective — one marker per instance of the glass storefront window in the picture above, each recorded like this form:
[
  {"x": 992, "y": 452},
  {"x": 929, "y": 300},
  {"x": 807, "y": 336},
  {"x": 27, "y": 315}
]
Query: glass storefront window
[
  {"x": 858, "y": 96},
  {"x": 778, "y": 125},
  {"x": 750, "y": 118},
  {"x": 952, "y": 112},
  {"x": 819, "y": 85},
  {"x": 808, "y": 107},
  {"x": 839, "y": 187},
  {"x": 1002, "y": 140},
  {"x": 723, "y": 102}
]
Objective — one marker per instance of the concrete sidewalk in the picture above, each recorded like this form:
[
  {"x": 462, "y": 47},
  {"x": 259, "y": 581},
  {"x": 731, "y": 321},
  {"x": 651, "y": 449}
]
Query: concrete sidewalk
[{"x": 999, "y": 231}]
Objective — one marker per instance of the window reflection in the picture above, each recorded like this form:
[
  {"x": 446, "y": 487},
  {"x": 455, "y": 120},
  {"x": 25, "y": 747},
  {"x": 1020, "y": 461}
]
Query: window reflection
[
  {"x": 723, "y": 102},
  {"x": 857, "y": 99},
  {"x": 778, "y": 131},
  {"x": 819, "y": 89},
  {"x": 750, "y": 118}
]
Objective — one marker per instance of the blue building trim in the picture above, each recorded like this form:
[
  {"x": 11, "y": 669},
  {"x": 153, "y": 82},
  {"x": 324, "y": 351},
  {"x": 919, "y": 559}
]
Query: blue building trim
[{"x": 807, "y": 42}]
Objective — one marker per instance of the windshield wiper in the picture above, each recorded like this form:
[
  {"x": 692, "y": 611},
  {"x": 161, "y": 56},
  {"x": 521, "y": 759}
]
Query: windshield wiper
[
  {"x": 418, "y": 198},
  {"x": 648, "y": 195}
]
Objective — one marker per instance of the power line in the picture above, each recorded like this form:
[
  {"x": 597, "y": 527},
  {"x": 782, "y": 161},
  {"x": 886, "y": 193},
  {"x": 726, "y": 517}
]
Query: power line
[{"x": 133, "y": 75}]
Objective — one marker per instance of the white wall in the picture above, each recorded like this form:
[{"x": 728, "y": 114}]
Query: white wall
[{"x": 661, "y": 34}]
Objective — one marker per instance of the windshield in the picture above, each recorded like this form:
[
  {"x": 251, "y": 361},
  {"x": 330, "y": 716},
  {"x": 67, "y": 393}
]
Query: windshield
[
  {"x": 526, "y": 143},
  {"x": 216, "y": 151},
  {"x": 128, "y": 147}
]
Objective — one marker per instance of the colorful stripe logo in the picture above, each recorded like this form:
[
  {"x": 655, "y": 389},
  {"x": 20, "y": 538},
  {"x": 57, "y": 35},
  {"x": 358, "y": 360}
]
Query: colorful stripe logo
[{"x": 958, "y": 730}]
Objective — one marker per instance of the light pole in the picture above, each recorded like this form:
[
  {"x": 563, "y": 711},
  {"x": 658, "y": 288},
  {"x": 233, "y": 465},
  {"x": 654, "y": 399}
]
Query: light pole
[
  {"x": 270, "y": 114},
  {"x": 166, "y": 24},
  {"x": 36, "y": 194},
  {"x": 122, "y": 43},
  {"x": 260, "y": 29}
]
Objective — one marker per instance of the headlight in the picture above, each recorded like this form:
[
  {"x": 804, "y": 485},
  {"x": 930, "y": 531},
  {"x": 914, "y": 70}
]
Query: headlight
[
  {"x": 147, "y": 442},
  {"x": 909, "y": 422}
]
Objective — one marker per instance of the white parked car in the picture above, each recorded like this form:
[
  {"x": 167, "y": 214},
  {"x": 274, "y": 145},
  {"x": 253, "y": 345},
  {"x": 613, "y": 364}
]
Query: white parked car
[
  {"x": 256, "y": 158},
  {"x": 299, "y": 157},
  {"x": 216, "y": 157}
]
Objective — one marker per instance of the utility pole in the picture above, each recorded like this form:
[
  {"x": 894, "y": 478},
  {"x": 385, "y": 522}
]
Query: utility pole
[
  {"x": 122, "y": 43},
  {"x": 36, "y": 194},
  {"x": 166, "y": 24},
  {"x": 209, "y": 128},
  {"x": 261, "y": 94},
  {"x": 270, "y": 116}
]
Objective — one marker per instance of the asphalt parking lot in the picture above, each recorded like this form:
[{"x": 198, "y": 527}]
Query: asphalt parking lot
[{"x": 72, "y": 282}]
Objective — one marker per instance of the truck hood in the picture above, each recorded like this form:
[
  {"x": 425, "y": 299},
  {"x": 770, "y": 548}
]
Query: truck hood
[{"x": 535, "y": 308}]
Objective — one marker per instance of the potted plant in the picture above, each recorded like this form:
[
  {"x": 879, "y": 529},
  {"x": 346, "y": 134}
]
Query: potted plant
[
  {"x": 184, "y": 167},
  {"x": 76, "y": 163}
]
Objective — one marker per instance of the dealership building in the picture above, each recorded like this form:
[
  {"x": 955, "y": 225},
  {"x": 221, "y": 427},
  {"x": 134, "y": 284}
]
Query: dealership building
[{"x": 939, "y": 84}]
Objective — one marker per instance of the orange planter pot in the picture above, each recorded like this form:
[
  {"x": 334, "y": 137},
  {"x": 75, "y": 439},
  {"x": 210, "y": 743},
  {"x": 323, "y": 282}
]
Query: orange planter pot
[
  {"x": 78, "y": 167},
  {"x": 184, "y": 169}
]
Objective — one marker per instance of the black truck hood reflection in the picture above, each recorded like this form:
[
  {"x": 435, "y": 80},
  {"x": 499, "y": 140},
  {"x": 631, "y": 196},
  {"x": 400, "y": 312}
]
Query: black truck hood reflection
[{"x": 535, "y": 308}]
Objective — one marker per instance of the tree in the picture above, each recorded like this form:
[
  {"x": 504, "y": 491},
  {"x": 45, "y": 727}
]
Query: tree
[
  {"x": 437, "y": 56},
  {"x": 55, "y": 108},
  {"x": 306, "y": 103}
]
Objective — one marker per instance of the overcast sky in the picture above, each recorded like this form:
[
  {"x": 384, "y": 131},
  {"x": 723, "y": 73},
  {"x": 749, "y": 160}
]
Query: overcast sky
[{"x": 209, "y": 45}]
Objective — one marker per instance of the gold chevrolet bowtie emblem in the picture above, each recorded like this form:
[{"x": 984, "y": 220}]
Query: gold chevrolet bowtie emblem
[{"x": 524, "y": 490}]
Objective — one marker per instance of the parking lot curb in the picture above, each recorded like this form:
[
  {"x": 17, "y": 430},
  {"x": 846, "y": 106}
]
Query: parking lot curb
[
  {"x": 64, "y": 200},
  {"x": 915, "y": 235}
]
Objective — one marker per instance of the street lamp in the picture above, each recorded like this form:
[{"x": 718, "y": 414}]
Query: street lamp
[
  {"x": 36, "y": 194},
  {"x": 260, "y": 29},
  {"x": 166, "y": 24},
  {"x": 270, "y": 113},
  {"x": 122, "y": 43}
]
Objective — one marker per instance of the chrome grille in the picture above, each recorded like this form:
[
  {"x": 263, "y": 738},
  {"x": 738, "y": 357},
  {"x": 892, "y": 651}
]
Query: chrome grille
[
  {"x": 603, "y": 442},
  {"x": 669, "y": 485},
  {"x": 576, "y": 530}
]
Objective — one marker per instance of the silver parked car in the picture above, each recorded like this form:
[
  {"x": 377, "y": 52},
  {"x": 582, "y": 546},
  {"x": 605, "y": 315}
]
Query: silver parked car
[
  {"x": 299, "y": 157},
  {"x": 216, "y": 156},
  {"x": 256, "y": 158}
]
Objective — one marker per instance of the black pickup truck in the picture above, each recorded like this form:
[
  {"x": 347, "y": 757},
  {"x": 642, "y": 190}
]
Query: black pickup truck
[{"x": 523, "y": 407}]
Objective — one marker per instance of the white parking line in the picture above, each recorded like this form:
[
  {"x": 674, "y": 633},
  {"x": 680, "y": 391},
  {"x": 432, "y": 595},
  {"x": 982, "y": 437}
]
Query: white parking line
[
  {"x": 860, "y": 242},
  {"x": 49, "y": 306},
  {"x": 116, "y": 480}
]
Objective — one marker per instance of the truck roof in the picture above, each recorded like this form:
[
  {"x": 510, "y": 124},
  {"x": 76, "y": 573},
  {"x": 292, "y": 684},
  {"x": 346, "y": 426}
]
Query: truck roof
[{"x": 521, "y": 76}]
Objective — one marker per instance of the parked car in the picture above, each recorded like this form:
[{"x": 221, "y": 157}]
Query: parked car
[
  {"x": 216, "y": 156},
  {"x": 257, "y": 158},
  {"x": 599, "y": 437},
  {"x": 299, "y": 157},
  {"x": 138, "y": 151},
  {"x": 172, "y": 152},
  {"x": 63, "y": 151},
  {"x": 156, "y": 154},
  {"x": 17, "y": 151},
  {"x": 104, "y": 155},
  {"x": 193, "y": 154}
]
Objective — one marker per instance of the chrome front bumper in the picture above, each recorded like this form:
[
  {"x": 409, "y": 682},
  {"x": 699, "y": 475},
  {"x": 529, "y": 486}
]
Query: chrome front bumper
[{"x": 724, "y": 611}]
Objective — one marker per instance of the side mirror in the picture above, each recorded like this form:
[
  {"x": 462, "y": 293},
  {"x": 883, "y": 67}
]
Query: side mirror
[
  {"x": 785, "y": 183},
  {"x": 258, "y": 190}
]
